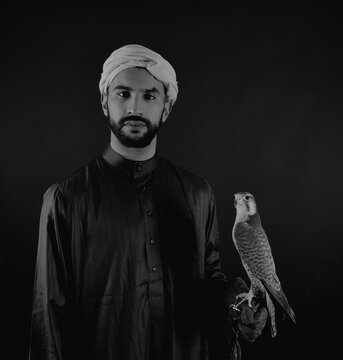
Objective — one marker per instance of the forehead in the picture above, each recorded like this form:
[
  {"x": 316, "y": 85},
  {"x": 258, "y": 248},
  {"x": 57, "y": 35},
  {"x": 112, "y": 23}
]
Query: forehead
[{"x": 136, "y": 78}]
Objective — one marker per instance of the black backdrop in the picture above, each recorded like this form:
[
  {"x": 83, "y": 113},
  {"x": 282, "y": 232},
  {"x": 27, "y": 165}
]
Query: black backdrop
[{"x": 259, "y": 109}]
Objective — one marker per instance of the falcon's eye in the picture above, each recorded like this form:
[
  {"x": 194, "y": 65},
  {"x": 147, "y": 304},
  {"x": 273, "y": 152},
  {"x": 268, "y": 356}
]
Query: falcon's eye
[{"x": 247, "y": 197}]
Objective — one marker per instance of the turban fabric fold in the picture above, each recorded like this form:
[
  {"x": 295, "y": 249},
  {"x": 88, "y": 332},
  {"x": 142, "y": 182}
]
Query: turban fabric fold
[{"x": 139, "y": 56}]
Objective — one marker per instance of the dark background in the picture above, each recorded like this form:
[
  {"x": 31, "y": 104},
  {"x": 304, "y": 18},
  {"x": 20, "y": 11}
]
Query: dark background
[{"x": 259, "y": 109}]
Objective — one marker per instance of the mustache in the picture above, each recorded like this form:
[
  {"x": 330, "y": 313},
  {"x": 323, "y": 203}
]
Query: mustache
[{"x": 134, "y": 118}]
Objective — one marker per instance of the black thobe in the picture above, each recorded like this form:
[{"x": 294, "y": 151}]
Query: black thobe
[{"x": 128, "y": 265}]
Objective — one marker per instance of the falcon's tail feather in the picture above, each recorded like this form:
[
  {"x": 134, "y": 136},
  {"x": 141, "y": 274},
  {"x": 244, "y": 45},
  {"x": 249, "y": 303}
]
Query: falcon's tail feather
[
  {"x": 271, "y": 311},
  {"x": 281, "y": 299}
]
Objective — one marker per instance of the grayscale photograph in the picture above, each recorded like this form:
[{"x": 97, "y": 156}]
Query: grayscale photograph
[{"x": 172, "y": 182}]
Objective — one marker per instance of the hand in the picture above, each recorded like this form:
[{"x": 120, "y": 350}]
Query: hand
[{"x": 251, "y": 322}]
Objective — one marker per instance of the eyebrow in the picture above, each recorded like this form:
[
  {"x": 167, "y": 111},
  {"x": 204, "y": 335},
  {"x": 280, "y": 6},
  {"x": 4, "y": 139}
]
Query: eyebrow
[{"x": 123, "y": 87}]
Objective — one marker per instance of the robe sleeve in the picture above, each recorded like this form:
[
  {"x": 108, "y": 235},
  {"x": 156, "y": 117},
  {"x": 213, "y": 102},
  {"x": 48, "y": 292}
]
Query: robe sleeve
[
  {"x": 50, "y": 283},
  {"x": 212, "y": 259},
  {"x": 219, "y": 294}
]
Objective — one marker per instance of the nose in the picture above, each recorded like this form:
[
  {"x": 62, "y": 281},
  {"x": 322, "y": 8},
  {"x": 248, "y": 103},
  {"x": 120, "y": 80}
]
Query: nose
[{"x": 134, "y": 106}]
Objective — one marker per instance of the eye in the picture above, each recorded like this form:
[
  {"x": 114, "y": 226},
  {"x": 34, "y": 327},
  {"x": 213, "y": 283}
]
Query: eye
[
  {"x": 124, "y": 94},
  {"x": 149, "y": 97},
  {"x": 247, "y": 197}
]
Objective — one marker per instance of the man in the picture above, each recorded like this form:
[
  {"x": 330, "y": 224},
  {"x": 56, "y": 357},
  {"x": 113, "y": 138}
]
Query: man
[{"x": 128, "y": 263}]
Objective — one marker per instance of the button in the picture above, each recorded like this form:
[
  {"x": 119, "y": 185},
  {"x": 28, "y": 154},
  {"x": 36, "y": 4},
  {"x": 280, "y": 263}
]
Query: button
[
  {"x": 149, "y": 213},
  {"x": 152, "y": 241},
  {"x": 139, "y": 167},
  {"x": 154, "y": 268},
  {"x": 141, "y": 188}
]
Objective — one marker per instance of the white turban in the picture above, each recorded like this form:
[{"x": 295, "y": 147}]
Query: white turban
[{"x": 139, "y": 56}]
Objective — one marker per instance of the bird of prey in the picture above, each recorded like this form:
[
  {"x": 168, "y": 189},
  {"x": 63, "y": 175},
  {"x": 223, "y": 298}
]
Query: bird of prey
[{"x": 254, "y": 250}]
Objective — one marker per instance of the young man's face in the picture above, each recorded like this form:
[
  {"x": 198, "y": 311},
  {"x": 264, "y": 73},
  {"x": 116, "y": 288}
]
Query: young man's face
[{"x": 135, "y": 105}]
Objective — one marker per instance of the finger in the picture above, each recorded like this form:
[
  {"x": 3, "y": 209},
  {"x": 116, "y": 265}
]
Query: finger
[
  {"x": 248, "y": 333},
  {"x": 252, "y": 324},
  {"x": 254, "y": 330},
  {"x": 261, "y": 315},
  {"x": 247, "y": 315}
]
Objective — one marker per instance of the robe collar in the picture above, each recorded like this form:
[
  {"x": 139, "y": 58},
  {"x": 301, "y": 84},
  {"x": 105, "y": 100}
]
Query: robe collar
[{"x": 134, "y": 169}]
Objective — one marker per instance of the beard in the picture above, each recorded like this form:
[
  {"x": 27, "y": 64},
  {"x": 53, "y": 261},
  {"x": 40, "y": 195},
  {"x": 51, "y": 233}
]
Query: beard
[{"x": 134, "y": 140}]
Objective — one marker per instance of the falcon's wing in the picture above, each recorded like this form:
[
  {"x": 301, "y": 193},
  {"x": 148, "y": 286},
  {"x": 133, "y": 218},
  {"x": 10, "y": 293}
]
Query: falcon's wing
[
  {"x": 270, "y": 279},
  {"x": 254, "y": 250}
]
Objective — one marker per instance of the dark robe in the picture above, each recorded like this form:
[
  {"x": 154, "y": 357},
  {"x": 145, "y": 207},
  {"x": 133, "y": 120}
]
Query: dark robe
[{"x": 128, "y": 266}]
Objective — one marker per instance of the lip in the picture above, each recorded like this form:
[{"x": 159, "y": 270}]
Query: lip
[{"x": 135, "y": 123}]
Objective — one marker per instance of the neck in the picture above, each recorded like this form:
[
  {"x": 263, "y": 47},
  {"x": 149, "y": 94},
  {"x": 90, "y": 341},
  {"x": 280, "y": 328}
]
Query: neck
[
  {"x": 135, "y": 154},
  {"x": 243, "y": 216},
  {"x": 254, "y": 220}
]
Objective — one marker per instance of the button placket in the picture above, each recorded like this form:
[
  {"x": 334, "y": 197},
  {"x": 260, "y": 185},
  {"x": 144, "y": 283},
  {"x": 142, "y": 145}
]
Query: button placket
[
  {"x": 145, "y": 195},
  {"x": 153, "y": 257}
]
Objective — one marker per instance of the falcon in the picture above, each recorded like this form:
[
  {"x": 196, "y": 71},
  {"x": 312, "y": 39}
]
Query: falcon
[{"x": 254, "y": 250}]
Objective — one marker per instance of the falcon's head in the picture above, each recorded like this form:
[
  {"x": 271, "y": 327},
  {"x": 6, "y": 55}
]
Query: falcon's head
[{"x": 245, "y": 205}]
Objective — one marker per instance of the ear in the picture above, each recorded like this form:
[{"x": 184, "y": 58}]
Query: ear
[
  {"x": 166, "y": 110},
  {"x": 104, "y": 104}
]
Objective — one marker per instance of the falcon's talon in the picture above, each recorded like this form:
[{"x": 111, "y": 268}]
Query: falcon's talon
[
  {"x": 245, "y": 297},
  {"x": 249, "y": 298},
  {"x": 241, "y": 296}
]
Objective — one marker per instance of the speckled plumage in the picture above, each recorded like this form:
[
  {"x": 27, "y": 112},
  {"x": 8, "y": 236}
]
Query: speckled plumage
[{"x": 253, "y": 246}]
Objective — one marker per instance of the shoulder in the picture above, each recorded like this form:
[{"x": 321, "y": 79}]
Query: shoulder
[
  {"x": 75, "y": 183},
  {"x": 51, "y": 194}
]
